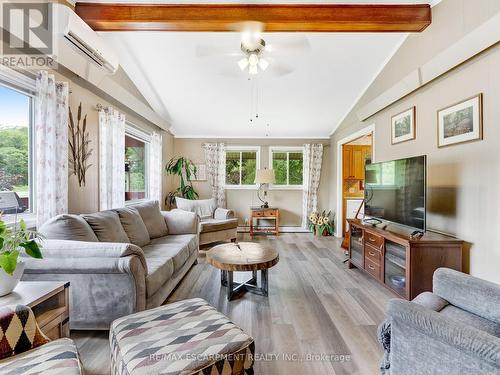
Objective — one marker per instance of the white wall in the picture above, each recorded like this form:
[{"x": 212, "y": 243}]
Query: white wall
[{"x": 463, "y": 180}]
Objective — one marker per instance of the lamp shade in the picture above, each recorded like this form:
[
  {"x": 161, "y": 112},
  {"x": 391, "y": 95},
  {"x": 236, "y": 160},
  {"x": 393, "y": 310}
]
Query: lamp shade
[{"x": 264, "y": 176}]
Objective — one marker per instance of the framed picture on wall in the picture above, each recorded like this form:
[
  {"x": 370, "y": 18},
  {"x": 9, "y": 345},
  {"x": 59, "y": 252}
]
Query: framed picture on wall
[
  {"x": 201, "y": 172},
  {"x": 461, "y": 122},
  {"x": 403, "y": 126}
]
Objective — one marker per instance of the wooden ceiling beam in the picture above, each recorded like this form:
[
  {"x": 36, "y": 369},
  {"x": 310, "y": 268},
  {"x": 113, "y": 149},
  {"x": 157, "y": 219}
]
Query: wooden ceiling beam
[{"x": 277, "y": 18}]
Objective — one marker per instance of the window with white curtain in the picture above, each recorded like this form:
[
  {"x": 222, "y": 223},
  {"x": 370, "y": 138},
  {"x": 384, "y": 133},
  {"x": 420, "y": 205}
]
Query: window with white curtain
[
  {"x": 242, "y": 163},
  {"x": 16, "y": 152},
  {"x": 137, "y": 144},
  {"x": 288, "y": 165}
]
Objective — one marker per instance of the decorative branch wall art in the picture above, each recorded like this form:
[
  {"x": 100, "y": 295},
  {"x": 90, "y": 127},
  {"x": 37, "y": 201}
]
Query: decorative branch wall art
[{"x": 79, "y": 146}]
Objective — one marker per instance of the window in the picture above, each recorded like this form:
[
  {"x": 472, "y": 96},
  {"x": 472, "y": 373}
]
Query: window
[
  {"x": 241, "y": 165},
  {"x": 16, "y": 152},
  {"x": 136, "y": 164},
  {"x": 288, "y": 164}
]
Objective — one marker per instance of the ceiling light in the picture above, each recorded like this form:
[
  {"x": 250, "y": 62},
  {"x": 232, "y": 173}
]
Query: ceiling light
[
  {"x": 253, "y": 69},
  {"x": 243, "y": 63},
  {"x": 253, "y": 59},
  {"x": 263, "y": 64}
]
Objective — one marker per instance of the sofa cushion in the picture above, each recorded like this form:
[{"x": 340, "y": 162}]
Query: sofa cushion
[
  {"x": 160, "y": 270},
  {"x": 204, "y": 208},
  {"x": 177, "y": 247},
  {"x": 472, "y": 320},
  {"x": 153, "y": 219},
  {"x": 214, "y": 225},
  {"x": 58, "y": 357},
  {"x": 68, "y": 227},
  {"x": 107, "y": 226},
  {"x": 134, "y": 226}
]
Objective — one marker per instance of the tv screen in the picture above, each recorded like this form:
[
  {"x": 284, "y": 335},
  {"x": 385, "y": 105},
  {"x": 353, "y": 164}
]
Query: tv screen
[{"x": 395, "y": 191}]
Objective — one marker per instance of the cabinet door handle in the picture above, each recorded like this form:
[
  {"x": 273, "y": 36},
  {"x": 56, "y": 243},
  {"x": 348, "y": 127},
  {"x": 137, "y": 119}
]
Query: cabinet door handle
[
  {"x": 372, "y": 254},
  {"x": 371, "y": 239},
  {"x": 371, "y": 267}
]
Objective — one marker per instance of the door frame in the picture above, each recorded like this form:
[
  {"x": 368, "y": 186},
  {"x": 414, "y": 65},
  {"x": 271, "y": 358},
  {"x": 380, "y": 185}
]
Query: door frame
[{"x": 370, "y": 129}]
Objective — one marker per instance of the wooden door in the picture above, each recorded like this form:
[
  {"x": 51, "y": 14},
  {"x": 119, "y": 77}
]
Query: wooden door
[{"x": 347, "y": 171}]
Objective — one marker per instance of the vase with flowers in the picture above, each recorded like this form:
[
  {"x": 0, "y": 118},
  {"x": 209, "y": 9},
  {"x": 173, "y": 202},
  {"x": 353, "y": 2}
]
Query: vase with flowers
[
  {"x": 321, "y": 224},
  {"x": 14, "y": 240}
]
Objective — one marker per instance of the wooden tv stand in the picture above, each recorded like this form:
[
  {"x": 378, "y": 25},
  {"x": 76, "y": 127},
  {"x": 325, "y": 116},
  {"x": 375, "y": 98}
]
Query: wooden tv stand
[{"x": 403, "y": 265}]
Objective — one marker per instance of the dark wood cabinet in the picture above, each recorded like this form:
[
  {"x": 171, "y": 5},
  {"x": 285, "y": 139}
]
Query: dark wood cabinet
[{"x": 402, "y": 264}]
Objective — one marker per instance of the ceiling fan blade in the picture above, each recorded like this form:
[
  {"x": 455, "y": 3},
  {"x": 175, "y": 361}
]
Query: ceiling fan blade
[
  {"x": 279, "y": 69},
  {"x": 297, "y": 44},
  {"x": 247, "y": 26},
  {"x": 212, "y": 50}
]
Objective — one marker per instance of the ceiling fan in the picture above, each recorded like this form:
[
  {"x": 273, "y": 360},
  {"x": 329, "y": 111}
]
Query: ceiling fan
[{"x": 257, "y": 55}]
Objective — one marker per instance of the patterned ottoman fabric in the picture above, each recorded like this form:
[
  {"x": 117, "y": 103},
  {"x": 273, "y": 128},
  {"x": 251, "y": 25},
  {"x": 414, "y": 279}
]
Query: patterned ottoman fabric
[
  {"x": 186, "y": 337},
  {"x": 57, "y": 357},
  {"x": 19, "y": 331}
]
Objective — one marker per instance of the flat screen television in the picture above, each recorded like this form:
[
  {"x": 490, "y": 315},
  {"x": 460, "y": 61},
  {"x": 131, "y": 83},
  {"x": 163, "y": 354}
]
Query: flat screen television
[{"x": 395, "y": 191}]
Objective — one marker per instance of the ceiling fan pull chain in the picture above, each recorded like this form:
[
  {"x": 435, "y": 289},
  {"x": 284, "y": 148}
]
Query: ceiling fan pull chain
[
  {"x": 251, "y": 99},
  {"x": 256, "y": 98}
]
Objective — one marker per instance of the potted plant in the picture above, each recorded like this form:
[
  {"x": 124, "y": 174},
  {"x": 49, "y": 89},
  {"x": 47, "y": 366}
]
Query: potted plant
[
  {"x": 12, "y": 242},
  {"x": 321, "y": 224},
  {"x": 185, "y": 169}
]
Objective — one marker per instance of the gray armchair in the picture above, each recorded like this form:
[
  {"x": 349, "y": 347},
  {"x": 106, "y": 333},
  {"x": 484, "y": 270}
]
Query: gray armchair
[
  {"x": 453, "y": 330},
  {"x": 216, "y": 223}
]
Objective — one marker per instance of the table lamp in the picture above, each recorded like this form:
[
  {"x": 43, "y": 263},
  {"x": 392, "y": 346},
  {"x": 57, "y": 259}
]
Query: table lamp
[{"x": 264, "y": 177}]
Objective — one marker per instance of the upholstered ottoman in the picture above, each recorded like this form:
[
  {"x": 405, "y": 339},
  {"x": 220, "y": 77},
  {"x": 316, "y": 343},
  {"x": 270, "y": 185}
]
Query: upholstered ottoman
[{"x": 186, "y": 337}]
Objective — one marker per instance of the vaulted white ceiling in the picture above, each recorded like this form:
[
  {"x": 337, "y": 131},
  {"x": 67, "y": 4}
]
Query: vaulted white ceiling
[{"x": 210, "y": 97}]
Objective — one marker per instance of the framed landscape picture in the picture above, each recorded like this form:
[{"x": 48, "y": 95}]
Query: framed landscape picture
[
  {"x": 403, "y": 126},
  {"x": 461, "y": 122}
]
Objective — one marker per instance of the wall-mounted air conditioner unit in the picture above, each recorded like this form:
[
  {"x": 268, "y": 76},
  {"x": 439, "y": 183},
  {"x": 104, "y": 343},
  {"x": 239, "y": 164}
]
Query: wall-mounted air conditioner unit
[{"x": 79, "y": 48}]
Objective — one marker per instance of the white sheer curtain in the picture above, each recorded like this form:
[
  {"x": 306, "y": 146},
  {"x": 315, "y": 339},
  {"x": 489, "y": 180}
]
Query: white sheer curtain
[
  {"x": 215, "y": 158},
  {"x": 51, "y": 149},
  {"x": 155, "y": 167},
  {"x": 313, "y": 157},
  {"x": 111, "y": 158}
]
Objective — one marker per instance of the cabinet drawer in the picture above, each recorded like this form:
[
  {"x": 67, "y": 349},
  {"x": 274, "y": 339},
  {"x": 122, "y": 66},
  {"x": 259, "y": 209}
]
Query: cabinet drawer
[
  {"x": 270, "y": 213},
  {"x": 372, "y": 268},
  {"x": 373, "y": 254},
  {"x": 374, "y": 240},
  {"x": 258, "y": 213}
]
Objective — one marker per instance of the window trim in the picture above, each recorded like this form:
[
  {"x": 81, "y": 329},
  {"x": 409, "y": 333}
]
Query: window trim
[
  {"x": 233, "y": 148},
  {"x": 286, "y": 149},
  {"x": 133, "y": 131},
  {"x": 24, "y": 85}
]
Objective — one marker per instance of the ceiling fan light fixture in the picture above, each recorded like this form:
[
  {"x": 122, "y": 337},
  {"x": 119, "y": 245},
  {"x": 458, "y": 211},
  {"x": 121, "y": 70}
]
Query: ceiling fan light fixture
[
  {"x": 253, "y": 69},
  {"x": 253, "y": 59},
  {"x": 263, "y": 63},
  {"x": 243, "y": 63}
]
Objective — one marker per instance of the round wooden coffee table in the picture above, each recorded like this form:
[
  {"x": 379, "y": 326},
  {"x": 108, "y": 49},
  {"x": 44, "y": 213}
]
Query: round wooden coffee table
[{"x": 243, "y": 257}]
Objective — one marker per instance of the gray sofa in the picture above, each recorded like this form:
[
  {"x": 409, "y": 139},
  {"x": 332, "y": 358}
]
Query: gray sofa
[
  {"x": 216, "y": 224},
  {"x": 117, "y": 261},
  {"x": 453, "y": 330}
]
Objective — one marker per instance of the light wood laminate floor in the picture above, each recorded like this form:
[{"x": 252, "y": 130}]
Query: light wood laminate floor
[{"x": 316, "y": 308}]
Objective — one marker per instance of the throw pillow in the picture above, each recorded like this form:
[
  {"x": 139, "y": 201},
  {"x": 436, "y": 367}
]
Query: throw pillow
[
  {"x": 19, "y": 331},
  {"x": 107, "y": 226},
  {"x": 134, "y": 226},
  {"x": 153, "y": 219},
  {"x": 68, "y": 227},
  {"x": 204, "y": 208}
]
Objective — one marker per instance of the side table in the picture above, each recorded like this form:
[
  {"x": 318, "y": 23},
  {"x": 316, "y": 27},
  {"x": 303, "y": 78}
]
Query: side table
[{"x": 257, "y": 213}]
